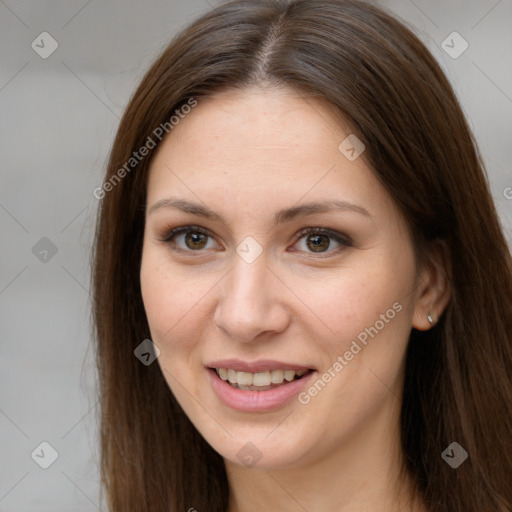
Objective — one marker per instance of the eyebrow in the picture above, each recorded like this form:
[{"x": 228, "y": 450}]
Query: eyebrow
[{"x": 284, "y": 215}]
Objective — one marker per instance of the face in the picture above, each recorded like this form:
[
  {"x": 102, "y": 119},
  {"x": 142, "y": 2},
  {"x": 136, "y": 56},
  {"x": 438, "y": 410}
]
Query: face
[{"x": 272, "y": 260}]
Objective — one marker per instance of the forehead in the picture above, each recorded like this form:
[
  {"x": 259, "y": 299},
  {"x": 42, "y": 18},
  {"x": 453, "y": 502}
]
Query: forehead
[
  {"x": 265, "y": 123},
  {"x": 256, "y": 148}
]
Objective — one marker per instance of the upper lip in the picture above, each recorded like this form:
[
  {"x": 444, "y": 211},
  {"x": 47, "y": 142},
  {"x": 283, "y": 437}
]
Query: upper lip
[{"x": 261, "y": 365}]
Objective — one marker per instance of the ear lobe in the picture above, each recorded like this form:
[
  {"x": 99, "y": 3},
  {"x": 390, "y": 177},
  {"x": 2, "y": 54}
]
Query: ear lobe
[{"x": 434, "y": 290}]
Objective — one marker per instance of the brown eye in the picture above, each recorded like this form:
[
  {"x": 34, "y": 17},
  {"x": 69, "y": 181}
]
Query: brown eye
[
  {"x": 321, "y": 241},
  {"x": 190, "y": 238},
  {"x": 196, "y": 241},
  {"x": 318, "y": 243}
]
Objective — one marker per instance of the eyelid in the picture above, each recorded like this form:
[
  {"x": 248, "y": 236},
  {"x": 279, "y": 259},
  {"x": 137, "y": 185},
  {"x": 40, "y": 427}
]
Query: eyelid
[
  {"x": 170, "y": 233},
  {"x": 339, "y": 237}
]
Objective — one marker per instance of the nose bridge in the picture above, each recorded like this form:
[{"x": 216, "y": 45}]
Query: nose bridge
[
  {"x": 247, "y": 295},
  {"x": 247, "y": 306}
]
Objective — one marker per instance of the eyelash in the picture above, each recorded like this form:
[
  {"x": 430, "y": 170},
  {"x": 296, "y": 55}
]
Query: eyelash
[{"x": 344, "y": 240}]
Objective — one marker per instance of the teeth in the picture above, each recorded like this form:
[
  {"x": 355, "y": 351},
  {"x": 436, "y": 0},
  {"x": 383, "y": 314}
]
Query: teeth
[
  {"x": 262, "y": 380},
  {"x": 289, "y": 375},
  {"x": 244, "y": 378},
  {"x": 277, "y": 376}
]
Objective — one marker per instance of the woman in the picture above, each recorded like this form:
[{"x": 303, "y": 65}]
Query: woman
[{"x": 295, "y": 220}]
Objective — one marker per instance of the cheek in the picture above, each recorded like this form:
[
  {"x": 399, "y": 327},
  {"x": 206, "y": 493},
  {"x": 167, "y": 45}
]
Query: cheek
[
  {"x": 369, "y": 310},
  {"x": 174, "y": 308},
  {"x": 370, "y": 313},
  {"x": 171, "y": 295},
  {"x": 352, "y": 298}
]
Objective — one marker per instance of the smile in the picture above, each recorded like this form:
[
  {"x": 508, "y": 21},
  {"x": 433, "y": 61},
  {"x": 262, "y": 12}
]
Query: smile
[
  {"x": 259, "y": 381},
  {"x": 261, "y": 386}
]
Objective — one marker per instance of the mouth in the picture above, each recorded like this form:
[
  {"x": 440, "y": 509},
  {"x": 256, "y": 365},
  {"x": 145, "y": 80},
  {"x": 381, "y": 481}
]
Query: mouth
[
  {"x": 259, "y": 386},
  {"x": 259, "y": 381}
]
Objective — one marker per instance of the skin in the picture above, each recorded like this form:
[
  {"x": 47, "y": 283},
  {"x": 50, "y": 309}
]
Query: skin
[{"x": 246, "y": 155}]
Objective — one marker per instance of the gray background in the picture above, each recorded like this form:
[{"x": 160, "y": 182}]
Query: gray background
[{"x": 59, "y": 116}]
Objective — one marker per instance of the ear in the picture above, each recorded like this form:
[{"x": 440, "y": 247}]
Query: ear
[{"x": 433, "y": 290}]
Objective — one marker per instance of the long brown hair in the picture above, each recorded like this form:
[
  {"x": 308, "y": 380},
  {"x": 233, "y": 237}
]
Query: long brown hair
[{"x": 373, "y": 71}]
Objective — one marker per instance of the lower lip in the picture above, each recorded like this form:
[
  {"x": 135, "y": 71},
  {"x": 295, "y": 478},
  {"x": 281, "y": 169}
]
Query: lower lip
[{"x": 257, "y": 401}]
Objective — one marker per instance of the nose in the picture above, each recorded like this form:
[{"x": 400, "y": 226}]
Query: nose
[{"x": 251, "y": 302}]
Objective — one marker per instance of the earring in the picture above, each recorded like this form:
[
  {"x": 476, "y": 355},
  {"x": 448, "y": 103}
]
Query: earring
[{"x": 430, "y": 319}]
